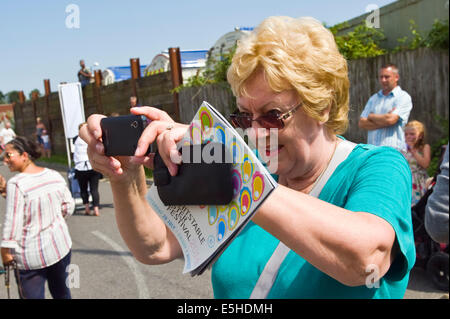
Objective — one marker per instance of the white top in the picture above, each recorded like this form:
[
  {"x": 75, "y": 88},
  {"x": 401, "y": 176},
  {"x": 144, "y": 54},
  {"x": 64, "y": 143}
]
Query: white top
[
  {"x": 7, "y": 134},
  {"x": 45, "y": 138},
  {"x": 34, "y": 225},
  {"x": 80, "y": 156}
]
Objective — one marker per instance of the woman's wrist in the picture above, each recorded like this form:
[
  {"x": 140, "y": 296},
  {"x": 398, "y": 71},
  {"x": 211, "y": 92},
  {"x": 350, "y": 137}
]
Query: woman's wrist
[{"x": 133, "y": 181}]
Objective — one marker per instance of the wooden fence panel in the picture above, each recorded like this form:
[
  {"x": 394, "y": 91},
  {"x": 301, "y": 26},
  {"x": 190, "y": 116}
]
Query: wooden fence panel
[
  {"x": 423, "y": 74},
  {"x": 218, "y": 95}
]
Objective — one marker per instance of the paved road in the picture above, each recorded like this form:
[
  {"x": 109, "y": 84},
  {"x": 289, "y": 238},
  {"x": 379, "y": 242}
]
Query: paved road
[{"x": 106, "y": 268}]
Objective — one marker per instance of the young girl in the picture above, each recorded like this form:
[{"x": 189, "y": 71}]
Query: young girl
[
  {"x": 46, "y": 142},
  {"x": 418, "y": 156},
  {"x": 35, "y": 234}
]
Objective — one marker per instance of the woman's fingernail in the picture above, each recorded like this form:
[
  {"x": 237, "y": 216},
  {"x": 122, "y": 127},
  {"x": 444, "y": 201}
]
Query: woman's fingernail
[
  {"x": 175, "y": 157},
  {"x": 96, "y": 134},
  {"x": 138, "y": 151},
  {"x": 99, "y": 148}
]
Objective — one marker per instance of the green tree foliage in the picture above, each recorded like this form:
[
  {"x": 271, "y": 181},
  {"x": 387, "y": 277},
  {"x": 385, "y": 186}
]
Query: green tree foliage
[
  {"x": 12, "y": 96},
  {"x": 216, "y": 71},
  {"x": 30, "y": 95},
  {"x": 437, "y": 38},
  {"x": 2, "y": 98},
  {"x": 361, "y": 42}
]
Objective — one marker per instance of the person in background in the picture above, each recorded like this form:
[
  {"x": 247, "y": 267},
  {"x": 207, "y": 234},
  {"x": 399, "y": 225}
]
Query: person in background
[
  {"x": 2, "y": 186},
  {"x": 387, "y": 111},
  {"x": 46, "y": 144},
  {"x": 287, "y": 75},
  {"x": 7, "y": 134},
  {"x": 436, "y": 210},
  {"x": 84, "y": 74},
  {"x": 134, "y": 101},
  {"x": 418, "y": 155},
  {"x": 40, "y": 127},
  {"x": 35, "y": 234},
  {"x": 86, "y": 176}
]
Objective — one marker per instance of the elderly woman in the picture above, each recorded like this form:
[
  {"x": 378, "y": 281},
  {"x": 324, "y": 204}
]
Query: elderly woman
[{"x": 353, "y": 241}]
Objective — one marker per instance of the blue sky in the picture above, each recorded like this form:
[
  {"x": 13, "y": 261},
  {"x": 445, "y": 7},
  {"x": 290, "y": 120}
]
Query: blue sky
[{"x": 35, "y": 43}]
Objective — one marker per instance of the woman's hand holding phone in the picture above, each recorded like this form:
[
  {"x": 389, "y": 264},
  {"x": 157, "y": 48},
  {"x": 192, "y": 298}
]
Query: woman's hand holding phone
[{"x": 161, "y": 128}]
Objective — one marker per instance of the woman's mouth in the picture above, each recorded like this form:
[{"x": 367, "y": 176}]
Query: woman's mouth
[{"x": 273, "y": 151}]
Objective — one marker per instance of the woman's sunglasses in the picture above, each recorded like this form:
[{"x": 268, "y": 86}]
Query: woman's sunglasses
[
  {"x": 269, "y": 120},
  {"x": 8, "y": 155}
]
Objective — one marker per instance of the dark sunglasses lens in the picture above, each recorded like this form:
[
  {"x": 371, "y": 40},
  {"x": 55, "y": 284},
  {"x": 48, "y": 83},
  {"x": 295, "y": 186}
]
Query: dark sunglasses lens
[
  {"x": 234, "y": 120},
  {"x": 241, "y": 121},
  {"x": 269, "y": 121}
]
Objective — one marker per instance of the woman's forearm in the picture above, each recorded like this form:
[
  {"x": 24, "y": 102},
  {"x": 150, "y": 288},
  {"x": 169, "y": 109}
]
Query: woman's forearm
[
  {"x": 141, "y": 228},
  {"x": 338, "y": 242}
]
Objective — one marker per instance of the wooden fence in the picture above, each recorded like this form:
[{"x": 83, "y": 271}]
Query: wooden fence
[
  {"x": 154, "y": 90},
  {"x": 423, "y": 74}
]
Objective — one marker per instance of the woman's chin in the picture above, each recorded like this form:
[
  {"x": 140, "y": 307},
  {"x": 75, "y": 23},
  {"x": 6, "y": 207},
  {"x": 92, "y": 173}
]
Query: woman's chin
[{"x": 275, "y": 164}]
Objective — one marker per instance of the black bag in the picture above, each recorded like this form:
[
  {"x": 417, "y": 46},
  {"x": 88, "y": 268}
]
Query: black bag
[{"x": 204, "y": 177}]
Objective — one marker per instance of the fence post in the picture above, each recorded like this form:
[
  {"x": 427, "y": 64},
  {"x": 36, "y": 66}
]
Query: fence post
[
  {"x": 21, "y": 102},
  {"x": 98, "y": 84},
  {"x": 34, "y": 97},
  {"x": 47, "y": 107},
  {"x": 21, "y": 97},
  {"x": 177, "y": 77},
  {"x": 135, "y": 74}
]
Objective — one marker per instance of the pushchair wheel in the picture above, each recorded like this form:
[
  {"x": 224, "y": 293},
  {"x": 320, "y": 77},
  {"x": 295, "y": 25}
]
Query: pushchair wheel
[{"x": 437, "y": 268}]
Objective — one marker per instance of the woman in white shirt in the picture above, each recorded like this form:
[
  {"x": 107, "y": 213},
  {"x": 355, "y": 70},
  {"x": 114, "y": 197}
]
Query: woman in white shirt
[
  {"x": 35, "y": 234},
  {"x": 86, "y": 176},
  {"x": 6, "y": 134}
]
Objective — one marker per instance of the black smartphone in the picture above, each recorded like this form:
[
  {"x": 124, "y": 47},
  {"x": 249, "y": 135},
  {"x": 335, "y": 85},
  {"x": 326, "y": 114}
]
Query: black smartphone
[{"x": 120, "y": 134}]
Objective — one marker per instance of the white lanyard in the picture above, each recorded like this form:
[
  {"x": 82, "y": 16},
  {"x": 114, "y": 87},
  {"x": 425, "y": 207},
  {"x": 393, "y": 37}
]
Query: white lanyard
[{"x": 270, "y": 271}]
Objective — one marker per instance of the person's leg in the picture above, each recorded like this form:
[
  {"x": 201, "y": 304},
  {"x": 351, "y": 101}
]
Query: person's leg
[
  {"x": 83, "y": 180},
  {"x": 93, "y": 185},
  {"x": 31, "y": 283},
  {"x": 57, "y": 278}
]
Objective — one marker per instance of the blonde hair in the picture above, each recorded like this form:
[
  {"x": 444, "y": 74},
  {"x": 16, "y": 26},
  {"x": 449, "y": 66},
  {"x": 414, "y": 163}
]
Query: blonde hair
[
  {"x": 298, "y": 54},
  {"x": 420, "y": 128}
]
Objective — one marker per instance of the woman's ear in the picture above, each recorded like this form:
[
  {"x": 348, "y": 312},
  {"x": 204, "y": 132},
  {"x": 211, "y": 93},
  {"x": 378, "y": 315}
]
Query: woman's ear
[
  {"x": 325, "y": 115},
  {"x": 25, "y": 156}
]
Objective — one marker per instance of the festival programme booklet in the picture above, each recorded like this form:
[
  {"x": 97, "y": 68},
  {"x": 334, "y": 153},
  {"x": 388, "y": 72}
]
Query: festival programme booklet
[{"x": 205, "y": 231}]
